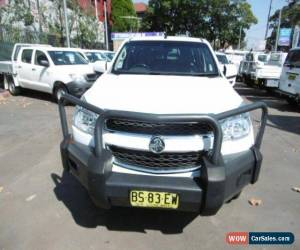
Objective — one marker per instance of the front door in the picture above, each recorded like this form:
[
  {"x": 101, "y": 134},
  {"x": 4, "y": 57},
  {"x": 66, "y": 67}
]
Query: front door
[{"x": 40, "y": 72}]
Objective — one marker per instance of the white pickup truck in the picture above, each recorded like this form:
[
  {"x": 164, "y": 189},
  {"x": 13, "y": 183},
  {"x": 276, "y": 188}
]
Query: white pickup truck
[
  {"x": 162, "y": 128},
  {"x": 268, "y": 75},
  {"x": 228, "y": 67},
  {"x": 47, "y": 69},
  {"x": 250, "y": 63},
  {"x": 99, "y": 59}
]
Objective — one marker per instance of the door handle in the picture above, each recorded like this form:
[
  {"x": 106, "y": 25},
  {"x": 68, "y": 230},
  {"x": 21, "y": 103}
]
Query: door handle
[
  {"x": 33, "y": 69},
  {"x": 19, "y": 67}
]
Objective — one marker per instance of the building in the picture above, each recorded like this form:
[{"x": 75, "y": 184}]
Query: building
[
  {"x": 140, "y": 9},
  {"x": 99, "y": 9}
]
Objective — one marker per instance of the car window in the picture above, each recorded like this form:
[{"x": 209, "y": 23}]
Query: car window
[
  {"x": 293, "y": 58},
  {"x": 165, "y": 58},
  {"x": 39, "y": 55},
  {"x": 26, "y": 55},
  {"x": 67, "y": 58},
  {"x": 222, "y": 59},
  {"x": 262, "y": 58},
  {"x": 109, "y": 55},
  {"x": 275, "y": 59},
  {"x": 249, "y": 57}
]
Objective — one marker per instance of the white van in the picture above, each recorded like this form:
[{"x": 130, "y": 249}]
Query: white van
[{"x": 289, "y": 85}]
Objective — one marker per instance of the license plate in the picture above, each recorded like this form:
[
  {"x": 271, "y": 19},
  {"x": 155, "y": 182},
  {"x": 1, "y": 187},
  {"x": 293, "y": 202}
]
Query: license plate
[
  {"x": 292, "y": 77},
  {"x": 154, "y": 199},
  {"x": 272, "y": 83}
]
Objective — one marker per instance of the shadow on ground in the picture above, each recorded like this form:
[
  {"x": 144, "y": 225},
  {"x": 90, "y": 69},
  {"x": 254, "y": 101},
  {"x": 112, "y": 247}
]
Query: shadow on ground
[
  {"x": 37, "y": 95},
  {"x": 287, "y": 123},
  {"x": 75, "y": 197},
  {"x": 267, "y": 96}
]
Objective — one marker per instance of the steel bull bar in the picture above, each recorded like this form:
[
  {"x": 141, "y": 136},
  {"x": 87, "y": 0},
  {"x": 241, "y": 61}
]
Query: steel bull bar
[{"x": 213, "y": 175}]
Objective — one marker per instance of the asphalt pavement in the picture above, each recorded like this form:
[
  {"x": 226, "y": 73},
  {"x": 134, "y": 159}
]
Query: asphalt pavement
[{"x": 43, "y": 208}]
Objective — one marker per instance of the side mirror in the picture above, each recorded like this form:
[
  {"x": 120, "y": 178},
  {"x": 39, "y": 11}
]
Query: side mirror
[
  {"x": 224, "y": 70},
  {"x": 44, "y": 63},
  {"x": 100, "y": 66}
]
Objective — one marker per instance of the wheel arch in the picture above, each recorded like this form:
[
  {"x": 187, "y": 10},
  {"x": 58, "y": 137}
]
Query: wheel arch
[{"x": 57, "y": 84}]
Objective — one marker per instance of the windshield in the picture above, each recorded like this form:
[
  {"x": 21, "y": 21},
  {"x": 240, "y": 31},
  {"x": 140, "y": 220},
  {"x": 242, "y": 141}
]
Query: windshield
[
  {"x": 67, "y": 58},
  {"x": 109, "y": 55},
  {"x": 165, "y": 58},
  {"x": 275, "y": 59},
  {"x": 222, "y": 59},
  {"x": 95, "y": 56},
  {"x": 293, "y": 59},
  {"x": 262, "y": 58}
]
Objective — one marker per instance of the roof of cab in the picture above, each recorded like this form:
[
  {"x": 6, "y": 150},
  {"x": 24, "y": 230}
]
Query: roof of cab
[
  {"x": 169, "y": 38},
  {"x": 50, "y": 48}
]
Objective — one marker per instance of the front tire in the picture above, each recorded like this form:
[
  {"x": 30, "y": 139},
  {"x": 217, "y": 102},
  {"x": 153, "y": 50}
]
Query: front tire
[
  {"x": 59, "y": 91},
  {"x": 292, "y": 101}
]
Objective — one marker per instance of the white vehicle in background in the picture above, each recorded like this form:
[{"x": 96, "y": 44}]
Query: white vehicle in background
[
  {"x": 268, "y": 75},
  {"x": 47, "y": 69},
  {"x": 229, "y": 69},
  {"x": 289, "y": 83},
  {"x": 249, "y": 64},
  {"x": 99, "y": 59},
  {"x": 236, "y": 56}
]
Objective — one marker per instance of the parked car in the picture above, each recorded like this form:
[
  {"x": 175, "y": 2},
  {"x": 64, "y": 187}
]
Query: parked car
[
  {"x": 162, "y": 128},
  {"x": 249, "y": 64},
  {"x": 289, "y": 84},
  {"x": 268, "y": 75},
  {"x": 100, "y": 59},
  {"x": 48, "y": 69},
  {"x": 229, "y": 68},
  {"x": 236, "y": 56}
]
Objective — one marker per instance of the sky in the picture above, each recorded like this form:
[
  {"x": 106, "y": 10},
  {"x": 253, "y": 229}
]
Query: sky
[{"x": 260, "y": 9}]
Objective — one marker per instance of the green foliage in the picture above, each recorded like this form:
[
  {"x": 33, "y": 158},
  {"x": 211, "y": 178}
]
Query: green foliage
[
  {"x": 83, "y": 25},
  {"x": 122, "y": 11},
  {"x": 219, "y": 21},
  {"x": 290, "y": 18},
  {"x": 16, "y": 11}
]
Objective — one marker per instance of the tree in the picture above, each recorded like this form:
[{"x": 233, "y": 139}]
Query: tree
[
  {"x": 219, "y": 21},
  {"x": 290, "y": 18},
  {"x": 122, "y": 11}
]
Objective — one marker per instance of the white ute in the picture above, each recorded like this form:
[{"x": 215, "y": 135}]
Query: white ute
[
  {"x": 229, "y": 68},
  {"x": 47, "y": 69},
  {"x": 289, "y": 83},
  {"x": 162, "y": 128},
  {"x": 268, "y": 75}
]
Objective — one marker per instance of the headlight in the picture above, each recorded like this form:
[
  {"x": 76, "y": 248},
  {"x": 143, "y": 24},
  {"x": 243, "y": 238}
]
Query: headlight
[
  {"x": 85, "y": 120},
  {"x": 77, "y": 78},
  {"x": 236, "y": 127}
]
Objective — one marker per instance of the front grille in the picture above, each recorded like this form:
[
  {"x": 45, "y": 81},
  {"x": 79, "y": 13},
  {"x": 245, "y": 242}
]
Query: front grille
[
  {"x": 91, "y": 77},
  {"x": 161, "y": 162},
  {"x": 150, "y": 128}
]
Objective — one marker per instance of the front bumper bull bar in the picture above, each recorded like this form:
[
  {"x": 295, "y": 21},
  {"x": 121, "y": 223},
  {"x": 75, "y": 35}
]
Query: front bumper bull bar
[{"x": 221, "y": 177}]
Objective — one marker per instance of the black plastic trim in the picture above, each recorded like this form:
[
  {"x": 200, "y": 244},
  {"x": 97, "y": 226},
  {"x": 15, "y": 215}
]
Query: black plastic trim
[{"x": 216, "y": 184}]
